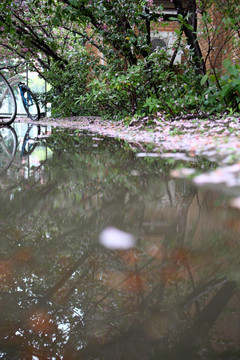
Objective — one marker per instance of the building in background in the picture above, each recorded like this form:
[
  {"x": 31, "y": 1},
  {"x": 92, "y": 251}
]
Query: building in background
[{"x": 215, "y": 45}]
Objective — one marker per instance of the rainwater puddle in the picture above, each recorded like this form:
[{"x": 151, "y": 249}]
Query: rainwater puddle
[{"x": 105, "y": 255}]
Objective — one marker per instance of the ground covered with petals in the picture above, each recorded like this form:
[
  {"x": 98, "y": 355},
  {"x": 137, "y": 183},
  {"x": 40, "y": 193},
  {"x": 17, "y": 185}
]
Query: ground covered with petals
[{"x": 216, "y": 139}]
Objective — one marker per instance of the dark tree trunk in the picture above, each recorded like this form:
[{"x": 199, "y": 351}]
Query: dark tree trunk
[{"x": 190, "y": 16}]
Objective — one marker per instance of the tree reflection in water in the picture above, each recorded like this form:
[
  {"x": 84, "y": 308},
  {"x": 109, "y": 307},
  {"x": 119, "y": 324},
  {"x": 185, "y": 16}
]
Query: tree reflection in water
[{"x": 64, "y": 296}]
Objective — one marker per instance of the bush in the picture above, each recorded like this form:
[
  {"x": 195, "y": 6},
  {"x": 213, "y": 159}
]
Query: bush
[
  {"x": 116, "y": 92},
  {"x": 67, "y": 83},
  {"x": 223, "y": 91},
  {"x": 142, "y": 89}
]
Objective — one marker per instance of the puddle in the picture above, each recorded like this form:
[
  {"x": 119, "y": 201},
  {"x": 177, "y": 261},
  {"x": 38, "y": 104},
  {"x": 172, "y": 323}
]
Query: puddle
[{"x": 105, "y": 255}]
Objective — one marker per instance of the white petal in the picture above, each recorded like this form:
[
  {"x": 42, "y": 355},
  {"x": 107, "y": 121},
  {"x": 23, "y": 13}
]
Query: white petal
[{"x": 113, "y": 238}]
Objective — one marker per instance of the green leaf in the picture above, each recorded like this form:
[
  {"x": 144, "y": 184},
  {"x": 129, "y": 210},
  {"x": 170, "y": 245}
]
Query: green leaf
[
  {"x": 204, "y": 79},
  {"x": 173, "y": 18},
  {"x": 73, "y": 2},
  {"x": 230, "y": 67}
]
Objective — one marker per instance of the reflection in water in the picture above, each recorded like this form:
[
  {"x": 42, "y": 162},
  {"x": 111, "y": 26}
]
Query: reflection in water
[
  {"x": 16, "y": 150},
  {"x": 8, "y": 147},
  {"x": 65, "y": 296}
]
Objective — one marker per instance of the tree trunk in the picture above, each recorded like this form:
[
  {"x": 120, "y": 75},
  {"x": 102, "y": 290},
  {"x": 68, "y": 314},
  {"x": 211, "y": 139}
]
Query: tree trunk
[{"x": 190, "y": 17}]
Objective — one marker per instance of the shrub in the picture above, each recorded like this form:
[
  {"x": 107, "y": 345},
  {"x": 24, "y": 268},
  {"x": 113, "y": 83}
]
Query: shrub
[
  {"x": 223, "y": 91},
  {"x": 145, "y": 88},
  {"x": 67, "y": 83}
]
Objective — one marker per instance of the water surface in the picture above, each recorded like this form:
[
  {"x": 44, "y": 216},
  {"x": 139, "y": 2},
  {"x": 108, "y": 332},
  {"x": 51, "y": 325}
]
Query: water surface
[{"x": 163, "y": 286}]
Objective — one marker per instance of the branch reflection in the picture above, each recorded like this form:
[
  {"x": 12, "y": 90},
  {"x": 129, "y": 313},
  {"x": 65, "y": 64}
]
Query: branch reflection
[{"x": 65, "y": 296}]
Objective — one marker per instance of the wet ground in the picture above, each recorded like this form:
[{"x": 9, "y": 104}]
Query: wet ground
[
  {"x": 110, "y": 251},
  {"x": 215, "y": 139}
]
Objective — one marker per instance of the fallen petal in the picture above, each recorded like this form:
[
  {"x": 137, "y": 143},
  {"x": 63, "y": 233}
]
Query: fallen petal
[
  {"x": 113, "y": 238},
  {"x": 235, "y": 203}
]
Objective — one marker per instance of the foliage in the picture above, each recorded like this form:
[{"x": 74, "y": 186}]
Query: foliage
[
  {"x": 97, "y": 56},
  {"x": 66, "y": 83},
  {"x": 219, "y": 33},
  {"x": 224, "y": 91},
  {"x": 146, "y": 88},
  {"x": 30, "y": 33},
  {"x": 118, "y": 91}
]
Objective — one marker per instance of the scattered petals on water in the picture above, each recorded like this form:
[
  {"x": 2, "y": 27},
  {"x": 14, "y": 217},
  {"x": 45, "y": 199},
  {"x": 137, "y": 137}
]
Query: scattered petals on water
[
  {"x": 97, "y": 138},
  {"x": 235, "y": 203},
  {"x": 182, "y": 173},
  {"x": 235, "y": 168},
  {"x": 113, "y": 238},
  {"x": 143, "y": 154},
  {"x": 227, "y": 175},
  {"x": 211, "y": 178},
  {"x": 135, "y": 173},
  {"x": 177, "y": 156}
]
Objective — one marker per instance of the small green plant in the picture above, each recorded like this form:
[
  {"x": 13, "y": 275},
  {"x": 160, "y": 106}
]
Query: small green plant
[
  {"x": 152, "y": 103},
  {"x": 223, "y": 92}
]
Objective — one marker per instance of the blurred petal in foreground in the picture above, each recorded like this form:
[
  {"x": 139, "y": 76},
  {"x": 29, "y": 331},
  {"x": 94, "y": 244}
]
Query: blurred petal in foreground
[{"x": 113, "y": 238}]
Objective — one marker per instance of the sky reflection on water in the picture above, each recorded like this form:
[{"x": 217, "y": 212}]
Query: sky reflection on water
[{"x": 172, "y": 294}]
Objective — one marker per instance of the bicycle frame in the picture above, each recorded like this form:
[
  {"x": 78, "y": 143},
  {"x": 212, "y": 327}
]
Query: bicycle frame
[
  {"x": 29, "y": 102},
  {"x": 15, "y": 80},
  {"x": 22, "y": 86},
  {"x": 4, "y": 94}
]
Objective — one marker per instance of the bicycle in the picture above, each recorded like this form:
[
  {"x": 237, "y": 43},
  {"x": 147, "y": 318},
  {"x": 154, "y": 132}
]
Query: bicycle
[
  {"x": 31, "y": 140},
  {"x": 9, "y": 144},
  {"x": 8, "y": 104},
  {"x": 8, "y": 147}
]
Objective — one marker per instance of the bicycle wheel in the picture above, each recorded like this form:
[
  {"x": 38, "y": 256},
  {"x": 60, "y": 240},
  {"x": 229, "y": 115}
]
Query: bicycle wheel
[
  {"x": 8, "y": 105},
  {"x": 30, "y": 103},
  {"x": 30, "y": 141},
  {"x": 8, "y": 147}
]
